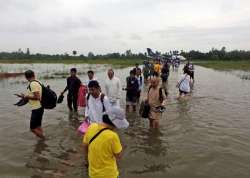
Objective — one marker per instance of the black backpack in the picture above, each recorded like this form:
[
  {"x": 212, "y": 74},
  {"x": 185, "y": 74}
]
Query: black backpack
[{"x": 49, "y": 97}]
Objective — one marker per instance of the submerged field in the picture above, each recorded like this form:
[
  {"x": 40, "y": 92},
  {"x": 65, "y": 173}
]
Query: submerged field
[
  {"x": 226, "y": 65},
  {"x": 210, "y": 131},
  {"x": 218, "y": 65},
  {"x": 118, "y": 62}
]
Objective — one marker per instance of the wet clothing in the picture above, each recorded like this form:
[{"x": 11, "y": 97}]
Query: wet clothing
[
  {"x": 132, "y": 90},
  {"x": 184, "y": 83},
  {"x": 36, "y": 118},
  {"x": 155, "y": 101},
  {"x": 182, "y": 92},
  {"x": 101, "y": 152},
  {"x": 72, "y": 100},
  {"x": 73, "y": 85}
]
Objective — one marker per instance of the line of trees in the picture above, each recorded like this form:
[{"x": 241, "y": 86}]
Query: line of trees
[
  {"x": 213, "y": 54},
  {"x": 216, "y": 54},
  {"x": 27, "y": 55}
]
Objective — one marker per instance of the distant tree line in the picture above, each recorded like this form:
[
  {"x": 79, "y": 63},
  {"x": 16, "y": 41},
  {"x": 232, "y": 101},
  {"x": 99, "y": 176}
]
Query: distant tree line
[
  {"x": 213, "y": 54},
  {"x": 27, "y": 55}
]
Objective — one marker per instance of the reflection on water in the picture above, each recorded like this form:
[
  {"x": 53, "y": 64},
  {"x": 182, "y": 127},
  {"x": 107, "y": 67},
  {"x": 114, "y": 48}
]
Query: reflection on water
[
  {"x": 40, "y": 146},
  {"x": 205, "y": 136}
]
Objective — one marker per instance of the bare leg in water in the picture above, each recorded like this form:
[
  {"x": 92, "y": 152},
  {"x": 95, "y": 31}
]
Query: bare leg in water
[
  {"x": 154, "y": 124},
  {"x": 150, "y": 123},
  {"x": 38, "y": 132}
]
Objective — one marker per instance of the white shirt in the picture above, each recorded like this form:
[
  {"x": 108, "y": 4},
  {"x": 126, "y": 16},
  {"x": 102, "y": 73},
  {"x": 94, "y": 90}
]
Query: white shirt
[
  {"x": 184, "y": 83},
  {"x": 140, "y": 82},
  {"x": 94, "y": 109},
  {"x": 113, "y": 89},
  {"x": 94, "y": 79}
]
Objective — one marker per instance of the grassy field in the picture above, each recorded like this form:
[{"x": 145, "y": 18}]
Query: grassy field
[
  {"x": 225, "y": 65},
  {"x": 119, "y": 62}
]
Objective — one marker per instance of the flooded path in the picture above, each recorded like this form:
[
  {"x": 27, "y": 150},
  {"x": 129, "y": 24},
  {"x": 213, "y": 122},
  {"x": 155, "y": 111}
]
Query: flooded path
[{"x": 207, "y": 136}]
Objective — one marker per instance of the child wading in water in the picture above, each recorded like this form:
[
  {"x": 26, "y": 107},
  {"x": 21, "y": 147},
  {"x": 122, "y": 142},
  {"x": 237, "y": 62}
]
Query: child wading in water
[{"x": 156, "y": 101}]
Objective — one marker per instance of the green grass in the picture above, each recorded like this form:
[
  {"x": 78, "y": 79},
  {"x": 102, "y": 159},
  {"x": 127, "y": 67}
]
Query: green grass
[
  {"x": 118, "y": 62},
  {"x": 225, "y": 65}
]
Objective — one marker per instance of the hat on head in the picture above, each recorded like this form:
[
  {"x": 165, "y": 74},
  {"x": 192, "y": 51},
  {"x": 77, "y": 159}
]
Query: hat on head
[{"x": 117, "y": 117}]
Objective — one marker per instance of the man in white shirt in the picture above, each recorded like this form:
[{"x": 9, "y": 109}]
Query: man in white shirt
[
  {"x": 91, "y": 76},
  {"x": 113, "y": 88},
  {"x": 97, "y": 103}
]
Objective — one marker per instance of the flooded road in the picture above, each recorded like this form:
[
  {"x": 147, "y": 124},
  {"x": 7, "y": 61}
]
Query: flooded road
[{"x": 207, "y": 136}]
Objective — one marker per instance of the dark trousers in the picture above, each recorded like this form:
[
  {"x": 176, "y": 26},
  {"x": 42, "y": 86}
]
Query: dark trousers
[{"x": 72, "y": 99}]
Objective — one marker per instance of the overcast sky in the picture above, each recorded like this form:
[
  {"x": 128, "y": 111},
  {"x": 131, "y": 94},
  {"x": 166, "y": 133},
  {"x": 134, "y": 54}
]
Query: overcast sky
[{"x": 102, "y": 26}]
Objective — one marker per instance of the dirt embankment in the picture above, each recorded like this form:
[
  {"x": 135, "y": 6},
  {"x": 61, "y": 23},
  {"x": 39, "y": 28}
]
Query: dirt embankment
[{"x": 7, "y": 75}]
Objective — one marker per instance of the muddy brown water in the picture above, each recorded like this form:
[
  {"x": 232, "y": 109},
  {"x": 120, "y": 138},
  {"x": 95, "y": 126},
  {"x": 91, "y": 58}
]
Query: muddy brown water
[{"x": 207, "y": 136}]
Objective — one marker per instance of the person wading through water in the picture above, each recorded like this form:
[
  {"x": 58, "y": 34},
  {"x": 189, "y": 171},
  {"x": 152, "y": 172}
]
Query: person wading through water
[
  {"x": 102, "y": 144},
  {"x": 34, "y": 95},
  {"x": 132, "y": 91},
  {"x": 97, "y": 103},
  {"x": 113, "y": 88},
  {"x": 156, "y": 100},
  {"x": 73, "y": 85},
  {"x": 184, "y": 83}
]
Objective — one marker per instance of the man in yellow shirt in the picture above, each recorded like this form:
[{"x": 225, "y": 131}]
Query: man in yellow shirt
[
  {"x": 34, "y": 95},
  {"x": 102, "y": 144},
  {"x": 157, "y": 67}
]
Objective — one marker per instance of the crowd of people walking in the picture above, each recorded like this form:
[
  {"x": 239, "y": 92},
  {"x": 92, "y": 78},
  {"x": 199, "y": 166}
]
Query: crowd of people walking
[{"x": 102, "y": 107}]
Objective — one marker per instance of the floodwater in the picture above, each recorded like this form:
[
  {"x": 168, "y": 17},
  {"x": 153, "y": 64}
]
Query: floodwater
[{"x": 207, "y": 136}]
